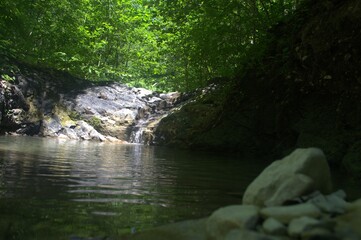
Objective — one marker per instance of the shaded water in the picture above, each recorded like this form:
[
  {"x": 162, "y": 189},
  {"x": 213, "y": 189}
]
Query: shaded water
[{"x": 57, "y": 189}]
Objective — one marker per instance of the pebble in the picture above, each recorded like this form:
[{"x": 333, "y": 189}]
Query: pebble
[{"x": 273, "y": 227}]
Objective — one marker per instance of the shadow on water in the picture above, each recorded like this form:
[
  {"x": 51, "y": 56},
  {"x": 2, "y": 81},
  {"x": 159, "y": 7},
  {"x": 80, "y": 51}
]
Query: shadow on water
[{"x": 54, "y": 189}]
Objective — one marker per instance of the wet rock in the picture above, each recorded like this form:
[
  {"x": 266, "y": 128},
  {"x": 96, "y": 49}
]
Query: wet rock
[
  {"x": 272, "y": 183},
  {"x": 285, "y": 214},
  {"x": 274, "y": 227},
  {"x": 223, "y": 220}
]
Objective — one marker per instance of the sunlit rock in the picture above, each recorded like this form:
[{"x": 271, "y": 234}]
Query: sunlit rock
[
  {"x": 51, "y": 127},
  {"x": 300, "y": 173}
]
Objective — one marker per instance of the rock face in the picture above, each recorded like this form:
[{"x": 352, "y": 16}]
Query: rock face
[
  {"x": 300, "y": 173},
  {"x": 53, "y": 104},
  {"x": 13, "y": 106},
  {"x": 117, "y": 110}
]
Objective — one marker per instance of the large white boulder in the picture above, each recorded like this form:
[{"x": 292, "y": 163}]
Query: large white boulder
[{"x": 300, "y": 173}]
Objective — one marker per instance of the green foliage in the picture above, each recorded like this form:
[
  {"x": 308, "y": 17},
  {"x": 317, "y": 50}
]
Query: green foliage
[
  {"x": 95, "y": 122},
  {"x": 75, "y": 116},
  {"x": 7, "y": 78},
  {"x": 156, "y": 44}
]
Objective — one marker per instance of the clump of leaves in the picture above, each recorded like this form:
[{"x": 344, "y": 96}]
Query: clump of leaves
[
  {"x": 74, "y": 116},
  {"x": 7, "y": 78}
]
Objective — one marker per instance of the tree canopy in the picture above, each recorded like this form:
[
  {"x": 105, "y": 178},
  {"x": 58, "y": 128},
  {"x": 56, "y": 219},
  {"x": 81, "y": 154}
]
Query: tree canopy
[{"x": 158, "y": 44}]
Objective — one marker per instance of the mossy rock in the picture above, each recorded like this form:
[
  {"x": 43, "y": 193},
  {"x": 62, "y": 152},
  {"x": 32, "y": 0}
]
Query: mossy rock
[
  {"x": 182, "y": 127},
  {"x": 95, "y": 122},
  {"x": 63, "y": 115}
]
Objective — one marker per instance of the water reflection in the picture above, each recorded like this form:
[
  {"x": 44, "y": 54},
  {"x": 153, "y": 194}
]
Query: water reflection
[{"x": 57, "y": 187}]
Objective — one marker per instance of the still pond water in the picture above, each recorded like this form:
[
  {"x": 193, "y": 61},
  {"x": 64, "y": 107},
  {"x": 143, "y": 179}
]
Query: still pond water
[{"x": 61, "y": 189}]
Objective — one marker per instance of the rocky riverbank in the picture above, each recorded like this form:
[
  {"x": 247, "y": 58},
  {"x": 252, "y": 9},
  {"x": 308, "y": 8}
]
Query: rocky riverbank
[
  {"x": 291, "y": 199},
  {"x": 51, "y": 103}
]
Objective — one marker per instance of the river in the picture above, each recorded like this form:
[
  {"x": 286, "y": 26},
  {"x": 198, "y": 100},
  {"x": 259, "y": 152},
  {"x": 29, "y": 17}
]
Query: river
[{"x": 62, "y": 189}]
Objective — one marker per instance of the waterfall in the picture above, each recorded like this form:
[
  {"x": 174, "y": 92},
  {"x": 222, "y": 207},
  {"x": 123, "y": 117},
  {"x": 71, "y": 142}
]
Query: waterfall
[
  {"x": 157, "y": 107},
  {"x": 137, "y": 135}
]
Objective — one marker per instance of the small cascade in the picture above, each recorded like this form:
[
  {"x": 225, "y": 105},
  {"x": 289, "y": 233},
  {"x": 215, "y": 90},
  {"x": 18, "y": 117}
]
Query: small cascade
[
  {"x": 142, "y": 132},
  {"x": 156, "y": 107},
  {"x": 137, "y": 134}
]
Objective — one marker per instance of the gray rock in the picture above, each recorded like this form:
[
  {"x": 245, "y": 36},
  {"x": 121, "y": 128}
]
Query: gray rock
[
  {"x": 274, "y": 227},
  {"x": 318, "y": 233},
  {"x": 274, "y": 181},
  {"x": 285, "y": 214},
  {"x": 340, "y": 193},
  {"x": 299, "y": 225},
  {"x": 332, "y": 204},
  {"x": 225, "y": 219},
  {"x": 237, "y": 234},
  {"x": 69, "y": 133},
  {"x": 51, "y": 127},
  {"x": 295, "y": 185},
  {"x": 350, "y": 222},
  {"x": 95, "y": 135}
]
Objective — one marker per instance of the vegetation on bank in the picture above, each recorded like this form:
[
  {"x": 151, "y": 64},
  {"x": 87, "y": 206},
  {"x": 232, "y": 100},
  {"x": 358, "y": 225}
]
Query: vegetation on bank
[
  {"x": 157, "y": 44},
  {"x": 303, "y": 92}
]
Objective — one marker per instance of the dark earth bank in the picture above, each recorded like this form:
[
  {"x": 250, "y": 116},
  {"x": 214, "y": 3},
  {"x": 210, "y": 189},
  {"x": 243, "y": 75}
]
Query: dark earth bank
[{"x": 303, "y": 92}]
